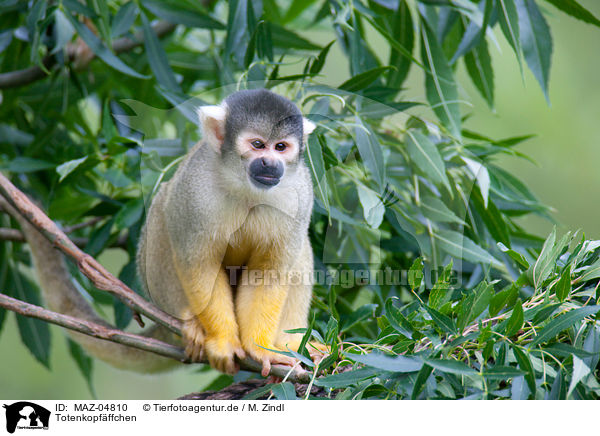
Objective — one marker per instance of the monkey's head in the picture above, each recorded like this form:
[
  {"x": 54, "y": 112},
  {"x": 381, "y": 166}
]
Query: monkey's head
[{"x": 259, "y": 135}]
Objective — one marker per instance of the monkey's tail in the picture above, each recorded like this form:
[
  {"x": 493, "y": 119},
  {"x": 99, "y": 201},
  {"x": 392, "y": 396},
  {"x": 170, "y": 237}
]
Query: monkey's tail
[{"x": 61, "y": 296}]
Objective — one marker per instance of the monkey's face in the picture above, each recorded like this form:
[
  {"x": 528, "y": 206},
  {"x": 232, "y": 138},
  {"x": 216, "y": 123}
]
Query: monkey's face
[{"x": 266, "y": 158}]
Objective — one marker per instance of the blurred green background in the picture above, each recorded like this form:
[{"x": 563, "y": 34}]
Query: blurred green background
[{"x": 566, "y": 177}]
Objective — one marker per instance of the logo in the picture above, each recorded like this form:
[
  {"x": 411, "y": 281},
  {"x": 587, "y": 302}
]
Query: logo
[{"x": 26, "y": 415}]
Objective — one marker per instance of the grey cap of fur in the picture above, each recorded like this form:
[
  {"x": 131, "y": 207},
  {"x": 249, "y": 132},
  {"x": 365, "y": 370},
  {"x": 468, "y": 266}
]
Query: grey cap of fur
[{"x": 268, "y": 114}]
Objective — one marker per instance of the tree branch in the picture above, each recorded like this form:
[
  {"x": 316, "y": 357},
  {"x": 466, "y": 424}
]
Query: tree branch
[
  {"x": 93, "y": 329},
  {"x": 132, "y": 340},
  {"x": 29, "y": 75},
  {"x": 14, "y": 235}
]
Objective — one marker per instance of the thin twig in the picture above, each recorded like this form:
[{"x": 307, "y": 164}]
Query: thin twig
[
  {"x": 132, "y": 340},
  {"x": 93, "y": 329},
  {"x": 15, "y": 235},
  {"x": 82, "y": 225},
  {"x": 14, "y": 79}
]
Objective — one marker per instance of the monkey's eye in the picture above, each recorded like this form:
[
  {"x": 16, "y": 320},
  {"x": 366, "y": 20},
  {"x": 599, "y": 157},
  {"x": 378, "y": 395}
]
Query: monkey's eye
[
  {"x": 280, "y": 146},
  {"x": 257, "y": 144}
]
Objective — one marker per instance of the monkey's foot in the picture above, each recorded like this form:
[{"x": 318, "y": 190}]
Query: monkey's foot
[
  {"x": 316, "y": 350},
  {"x": 193, "y": 338},
  {"x": 222, "y": 352},
  {"x": 268, "y": 358}
]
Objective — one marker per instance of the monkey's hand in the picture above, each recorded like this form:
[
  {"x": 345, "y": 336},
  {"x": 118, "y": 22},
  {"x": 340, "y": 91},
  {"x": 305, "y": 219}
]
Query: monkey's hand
[{"x": 193, "y": 338}]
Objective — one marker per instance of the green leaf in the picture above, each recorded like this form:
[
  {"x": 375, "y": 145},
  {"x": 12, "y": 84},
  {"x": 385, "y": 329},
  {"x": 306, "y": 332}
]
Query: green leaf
[
  {"x": 415, "y": 274},
  {"x": 403, "y": 32},
  {"x": 442, "y": 93},
  {"x": 63, "y": 29},
  {"x": 536, "y": 41},
  {"x": 541, "y": 313},
  {"x": 451, "y": 366},
  {"x": 84, "y": 362},
  {"x": 545, "y": 262},
  {"x": 237, "y": 25},
  {"x": 373, "y": 208},
  {"x": 503, "y": 298},
  {"x": 481, "y": 174},
  {"x": 562, "y": 288},
  {"x": 591, "y": 272},
  {"x": 258, "y": 392},
  {"x": 563, "y": 322},
  {"x": 426, "y": 156},
  {"x": 22, "y": 164},
  {"x": 287, "y": 39},
  {"x": 442, "y": 321},
  {"x": 475, "y": 304},
  {"x": 316, "y": 164},
  {"x": 559, "y": 387},
  {"x": 580, "y": 370},
  {"x": 462, "y": 247},
  {"x": 182, "y": 14},
  {"x": 67, "y": 168},
  {"x": 397, "y": 320},
  {"x": 526, "y": 366},
  {"x": 475, "y": 31},
  {"x": 422, "y": 377},
  {"x": 436, "y": 210},
  {"x": 500, "y": 372},
  {"x": 517, "y": 257},
  {"x": 479, "y": 67},
  {"x": 509, "y": 23},
  {"x": 99, "y": 238},
  {"x": 515, "y": 322},
  {"x": 35, "y": 334},
  {"x": 370, "y": 151},
  {"x": 565, "y": 350},
  {"x": 124, "y": 19},
  {"x": 157, "y": 58},
  {"x": 96, "y": 45},
  {"x": 130, "y": 213},
  {"x": 284, "y": 391},
  {"x": 6, "y": 38},
  {"x": 387, "y": 363},
  {"x": 574, "y": 9},
  {"x": 363, "y": 80},
  {"x": 295, "y": 9},
  {"x": 319, "y": 61},
  {"x": 347, "y": 378}
]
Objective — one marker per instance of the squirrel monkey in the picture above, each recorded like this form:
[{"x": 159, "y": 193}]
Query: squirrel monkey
[{"x": 225, "y": 246}]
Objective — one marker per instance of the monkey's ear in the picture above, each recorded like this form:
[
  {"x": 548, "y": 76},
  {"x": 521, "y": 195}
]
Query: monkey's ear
[
  {"x": 307, "y": 127},
  {"x": 212, "y": 121}
]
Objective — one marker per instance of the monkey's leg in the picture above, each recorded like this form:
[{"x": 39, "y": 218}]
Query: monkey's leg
[
  {"x": 259, "y": 304},
  {"x": 211, "y": 324},
  {"x": 297, "y": 305}
]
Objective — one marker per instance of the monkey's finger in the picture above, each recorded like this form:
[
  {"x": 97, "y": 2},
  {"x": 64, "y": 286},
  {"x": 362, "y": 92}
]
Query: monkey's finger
[
  {"x": 283, "y": 360},
  {"x": 266, "y": 367},
  {"x": 240, "y": 353},
  {"x": 194, "y": 350},
  {"x": 230, "y": 366}
]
